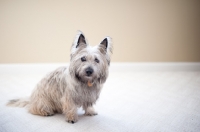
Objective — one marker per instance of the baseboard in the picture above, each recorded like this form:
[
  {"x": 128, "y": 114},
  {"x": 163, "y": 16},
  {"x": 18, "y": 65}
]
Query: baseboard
[
  {"x": 156, "y": 66},
  {"x": 115, "y": 67}
]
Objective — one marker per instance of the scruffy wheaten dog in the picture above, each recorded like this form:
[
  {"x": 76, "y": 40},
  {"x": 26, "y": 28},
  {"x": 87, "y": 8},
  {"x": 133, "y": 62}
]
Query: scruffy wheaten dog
[{"x": 67, "y": 88}]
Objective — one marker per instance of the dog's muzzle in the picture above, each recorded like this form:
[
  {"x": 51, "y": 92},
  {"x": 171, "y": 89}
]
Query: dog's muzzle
[{"x": 89, "y": 71}]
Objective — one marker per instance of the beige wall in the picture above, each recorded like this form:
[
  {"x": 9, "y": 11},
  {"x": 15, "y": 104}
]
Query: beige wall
[{"x": 150, "y": 31}]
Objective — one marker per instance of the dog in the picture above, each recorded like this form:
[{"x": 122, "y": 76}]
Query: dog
[{"x": 78, "y": 85}]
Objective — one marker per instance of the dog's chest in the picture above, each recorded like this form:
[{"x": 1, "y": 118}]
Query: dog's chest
[{"x": 86, "y": 95}]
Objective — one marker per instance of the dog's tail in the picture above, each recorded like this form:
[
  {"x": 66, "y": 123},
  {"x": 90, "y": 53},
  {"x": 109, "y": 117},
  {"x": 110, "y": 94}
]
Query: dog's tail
[{"x": 18, "y": 102}]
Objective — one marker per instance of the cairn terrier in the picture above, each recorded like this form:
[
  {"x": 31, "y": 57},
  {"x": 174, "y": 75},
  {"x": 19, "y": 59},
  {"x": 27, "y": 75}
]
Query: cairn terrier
[{"x": 78, "y": 85}]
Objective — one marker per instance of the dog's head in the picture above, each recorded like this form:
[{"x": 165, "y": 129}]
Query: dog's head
[{"x": 90, "y": 64}]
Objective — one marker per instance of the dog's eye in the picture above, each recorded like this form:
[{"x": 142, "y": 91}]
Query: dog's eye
[
  {"x": 83, "y": 59},
  {"x": 97, "y": 61}
]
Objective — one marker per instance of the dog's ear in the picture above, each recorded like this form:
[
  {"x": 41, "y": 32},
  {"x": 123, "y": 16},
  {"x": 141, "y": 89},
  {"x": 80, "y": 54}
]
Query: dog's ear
[
  {"x": 105, "y": 46},
  {"x": 79, "y": 43},
  {"x": 79, "y": 40},
  {"x": 104, "y": 43}
]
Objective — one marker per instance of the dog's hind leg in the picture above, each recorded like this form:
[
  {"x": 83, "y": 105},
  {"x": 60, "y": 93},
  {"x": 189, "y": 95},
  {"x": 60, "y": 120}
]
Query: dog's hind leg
[{"x": 41, "y": 107}]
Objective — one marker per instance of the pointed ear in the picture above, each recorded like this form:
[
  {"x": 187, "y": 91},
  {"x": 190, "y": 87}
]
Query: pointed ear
[
  {"x": 81, "y": 40},
  {"x": 105, "y": 43},
  {"x": 105, "y": 46},
  {"x": 79, "y": 43}
]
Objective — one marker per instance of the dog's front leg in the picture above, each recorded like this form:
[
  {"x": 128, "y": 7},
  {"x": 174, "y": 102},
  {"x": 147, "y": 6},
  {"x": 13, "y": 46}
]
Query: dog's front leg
[
  {"x": 70, "y": 111},
  {"x": 89, "y": 110}
]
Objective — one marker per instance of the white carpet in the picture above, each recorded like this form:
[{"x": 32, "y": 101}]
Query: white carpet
[{"x": 133, "y": 100}]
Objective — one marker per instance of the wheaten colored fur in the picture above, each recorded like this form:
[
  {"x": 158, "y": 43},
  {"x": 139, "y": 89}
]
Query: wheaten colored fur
[{"x": 66, "y": 88}]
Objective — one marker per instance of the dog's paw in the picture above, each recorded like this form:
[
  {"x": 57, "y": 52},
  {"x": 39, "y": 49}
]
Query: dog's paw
[
  {"x": 44, "y": 113},
  {"x": 90, "y": 111},
  {"x": 72, "y": 120},
  {"x": 90, "y": 114},
  {"x": 48, "y": 114}
]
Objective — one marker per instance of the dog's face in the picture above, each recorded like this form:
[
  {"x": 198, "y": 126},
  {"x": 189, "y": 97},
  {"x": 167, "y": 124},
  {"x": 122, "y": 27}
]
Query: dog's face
[{"x": 90, "y": 64}]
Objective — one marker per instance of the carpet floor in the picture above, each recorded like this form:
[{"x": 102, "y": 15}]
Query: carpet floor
[{"x": 131, "y": 101}]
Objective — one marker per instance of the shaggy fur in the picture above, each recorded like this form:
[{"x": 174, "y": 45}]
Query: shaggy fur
[{"x": 67, "y": 88}]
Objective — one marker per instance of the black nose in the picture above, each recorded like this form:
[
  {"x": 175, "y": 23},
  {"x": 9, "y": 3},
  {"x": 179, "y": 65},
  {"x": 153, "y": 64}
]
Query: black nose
[{"x": 89, "y": 71}]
